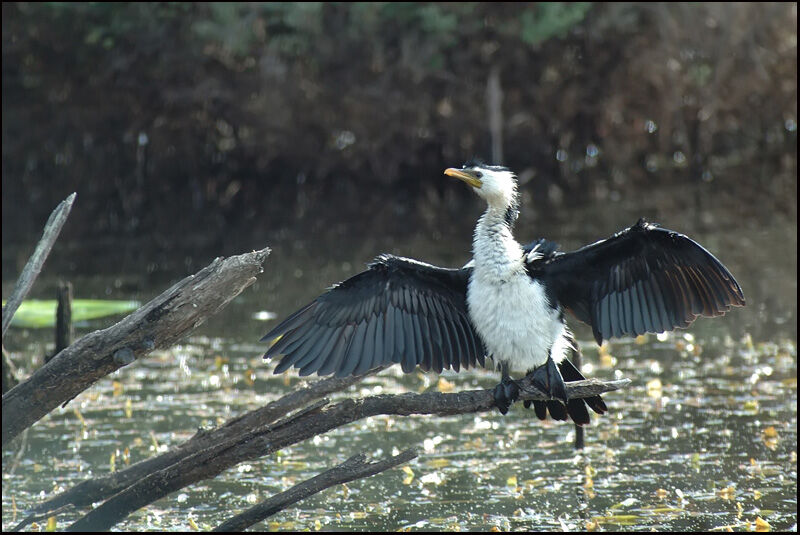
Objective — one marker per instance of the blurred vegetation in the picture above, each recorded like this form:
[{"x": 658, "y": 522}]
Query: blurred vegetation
[{"x": 230, "y": 118}]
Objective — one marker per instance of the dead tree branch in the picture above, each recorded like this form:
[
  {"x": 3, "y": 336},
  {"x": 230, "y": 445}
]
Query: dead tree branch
[
  {"x": 255, "y": 443},
  {"x": 159, "y": 324},
  {"x": 100, "y": 488},
  {"x": 51, "y": 231},
  {"x": 353, "y": 468}
]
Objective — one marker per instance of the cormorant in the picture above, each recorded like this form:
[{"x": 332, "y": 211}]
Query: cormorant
[{"x": 507, "y": 303}]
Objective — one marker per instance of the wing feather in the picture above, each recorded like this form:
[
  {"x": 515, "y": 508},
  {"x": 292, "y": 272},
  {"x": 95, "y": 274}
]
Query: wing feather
[
  {"x": 397, "y": 311},
  {"x": 643, "y": 279}
]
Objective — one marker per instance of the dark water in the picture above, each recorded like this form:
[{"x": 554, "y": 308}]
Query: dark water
[{"x": 705, "y": 437}]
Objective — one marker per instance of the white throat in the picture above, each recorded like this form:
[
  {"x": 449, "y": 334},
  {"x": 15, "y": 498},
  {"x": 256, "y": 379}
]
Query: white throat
[{"x": 494, "y": 248}]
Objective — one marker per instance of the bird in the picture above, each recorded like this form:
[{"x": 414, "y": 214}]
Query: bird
[{"x": 508, "y": 305}]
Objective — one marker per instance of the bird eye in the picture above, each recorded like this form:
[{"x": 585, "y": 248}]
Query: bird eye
[{"x": 479, "y": 174}]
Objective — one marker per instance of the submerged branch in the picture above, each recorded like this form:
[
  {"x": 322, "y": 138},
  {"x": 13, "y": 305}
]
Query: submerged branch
[{"x": 353, "y": 468}]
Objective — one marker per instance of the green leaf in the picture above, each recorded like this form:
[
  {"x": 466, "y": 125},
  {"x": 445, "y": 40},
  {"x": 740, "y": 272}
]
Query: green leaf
[{"x": 37, "y": 313}]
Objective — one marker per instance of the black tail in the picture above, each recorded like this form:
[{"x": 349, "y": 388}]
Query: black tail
[{"x": 575, "y": 408}]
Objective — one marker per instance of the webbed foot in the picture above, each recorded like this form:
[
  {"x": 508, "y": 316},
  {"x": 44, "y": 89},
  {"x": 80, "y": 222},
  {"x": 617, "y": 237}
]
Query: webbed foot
[
  {"x": 506, "y": 393},
  {"x": 548, "y": 379}
]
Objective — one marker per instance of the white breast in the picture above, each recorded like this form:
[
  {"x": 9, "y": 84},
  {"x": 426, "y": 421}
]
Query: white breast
[
  {"x": 515, "y": 321},
  {"x": 510, "y": 310}
]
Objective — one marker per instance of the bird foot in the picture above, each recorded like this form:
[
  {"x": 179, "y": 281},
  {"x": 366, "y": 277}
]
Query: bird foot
[
  {"x": 506, "y": 393},
  {"x": 548, "y": 379}
]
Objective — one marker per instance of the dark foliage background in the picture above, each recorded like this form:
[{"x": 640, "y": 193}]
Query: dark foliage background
[{"x": 214, "y": 125}]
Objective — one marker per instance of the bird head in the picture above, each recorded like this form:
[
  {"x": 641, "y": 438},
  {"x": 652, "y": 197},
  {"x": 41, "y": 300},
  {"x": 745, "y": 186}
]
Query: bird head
[{"x": 497, "y": 185}]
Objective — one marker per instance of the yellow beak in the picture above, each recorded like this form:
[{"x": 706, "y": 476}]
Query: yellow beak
[{"x": 463, "y": 175}]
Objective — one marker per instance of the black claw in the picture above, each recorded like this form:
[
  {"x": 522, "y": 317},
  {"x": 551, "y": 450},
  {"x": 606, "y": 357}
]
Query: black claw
[
  {"x": 548, "y": 379},
  {"x": 506, "y": 393}
]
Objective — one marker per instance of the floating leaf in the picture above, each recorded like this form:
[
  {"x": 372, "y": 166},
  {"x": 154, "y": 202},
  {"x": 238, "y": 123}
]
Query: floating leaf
[
  {"x": 38, "y": 313},
  {"x": 654, "y": 388},
  {"x": 444, "y": 385},
  {"x": 728, "y": 493},
  {"x": 621, "y": 520},
  {"x": 438, "y": 463},
  {"x": 249, "y": 377},
  {"x": 79, "y": 416},
  {"x": 761, "y": 525},
  {"x": 409, "y": 475},
  {"x": 51, "y": 524}
]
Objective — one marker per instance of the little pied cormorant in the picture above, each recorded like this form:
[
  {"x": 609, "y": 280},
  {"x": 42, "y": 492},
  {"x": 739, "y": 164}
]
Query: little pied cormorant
[{"x": 507, "y": 303}]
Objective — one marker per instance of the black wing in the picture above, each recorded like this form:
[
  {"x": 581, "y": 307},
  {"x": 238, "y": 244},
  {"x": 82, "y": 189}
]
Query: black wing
[
  {"x": 642, "y": 279},
  {"x": 398, "y": 311}
]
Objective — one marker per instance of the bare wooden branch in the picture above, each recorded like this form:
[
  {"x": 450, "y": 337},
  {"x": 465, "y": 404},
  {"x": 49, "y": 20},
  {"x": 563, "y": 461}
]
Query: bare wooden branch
[
  {"x": 353, "y": 468},
  {"x": 99, "y": 488},
  {"x": 255, "y": 443},
  {"x": 34, "y": 266},
  {"x": 158, "y": 324}
]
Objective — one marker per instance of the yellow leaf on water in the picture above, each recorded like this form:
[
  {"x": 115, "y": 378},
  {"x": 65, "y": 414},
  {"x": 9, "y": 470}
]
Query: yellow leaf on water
[
  {"x": 193, "y": 525},
  {"x": 51, "y": 524},
  {"x": 728, "y": 493},
  {"x": 661, "y": 493},
  {"x": 128, "y": 408},
  {"x": 249, "y": 377},
  {"x": 117, "y": 388},
  {"x": 79, "y": 416},
  {"x": 438, "y": 463},
  {"x": 654, "y": 388},
  {"x": 512, "y": 481},
  {"x": 444, "y": 385},
  {"x": 770, "y": 432},
  {"x": 409, "y": 475},
  {"x": 762, "y": 525},
  {"x": 757, "y": 494},
  {"x": 640, "y": 340}
]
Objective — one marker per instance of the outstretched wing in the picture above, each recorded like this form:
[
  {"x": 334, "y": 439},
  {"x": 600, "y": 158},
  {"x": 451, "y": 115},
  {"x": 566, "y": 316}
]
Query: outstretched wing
[
  {"x": 642, "y": 279},
  {"x": 397, "y": 311}
]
